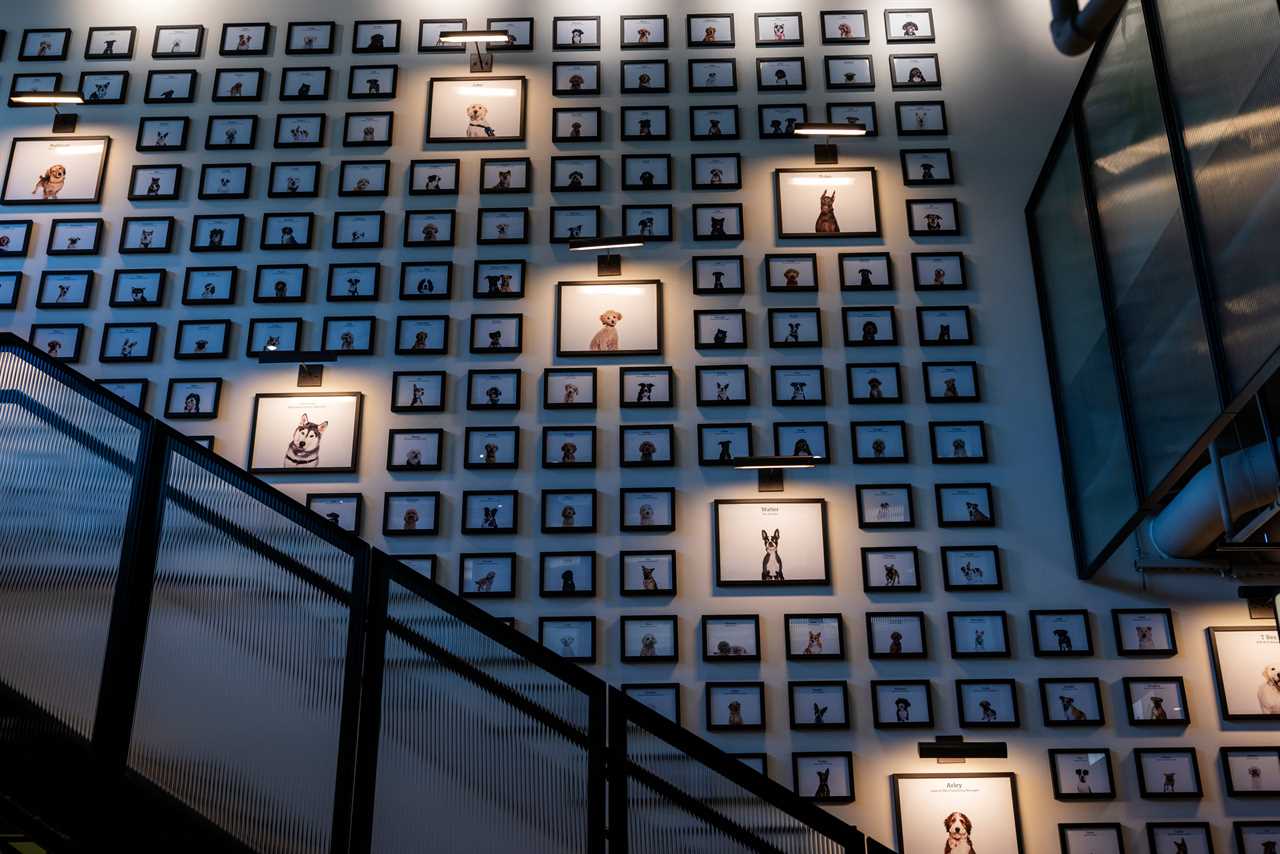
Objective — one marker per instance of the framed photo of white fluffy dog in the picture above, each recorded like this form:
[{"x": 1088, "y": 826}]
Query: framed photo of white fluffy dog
[
  {"x": 956, "y": 812},
  {"x": 609, "y": 319},
  {"x": 467, "y": 110},
  {"x": 790, "y": 549},
  {"x": 826, "y": 203},
  {"x": 1246, "y": 666},
  {"x": 55, "y": 170},
  {"x": 305, "y": 433}
]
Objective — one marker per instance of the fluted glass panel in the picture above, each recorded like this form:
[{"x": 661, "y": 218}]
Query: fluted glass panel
[
  {"x": 240, "y": 703},
  {"x": 66, "y": 468},
  {"x": 452, "y": 746},
  {"x": 658, "y": 823}
]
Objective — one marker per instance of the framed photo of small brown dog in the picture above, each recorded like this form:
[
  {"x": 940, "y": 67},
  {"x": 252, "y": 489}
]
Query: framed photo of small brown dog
[
  {"x": 305, "y": 433},
  {"x": 819, "y": 204},
  {"x": 956, "y": 812},
  {"x": 791, "y": 548},
  {"x": 55, "y": 170},
  {"x": 470, "y": 110},
  {"x": 607, "y": 320}
]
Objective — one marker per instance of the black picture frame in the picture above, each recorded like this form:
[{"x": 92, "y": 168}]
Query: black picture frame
[
  {"x": 584, "y": 175},
  {"x": 373, "y": 82},
  {"x": 252, "y": 352},
  {"x": 653, "y": 657},
  {"x": 912, "y": 810},
  {"x": 356, "y": 276},
  {"x": 236, "y": 178},
  {"x": 308, "y": 188},
  {"x": 438, "y": 379},
  {"x": 242, "y": 47},
  {"x": 808, "y": 320},
  {"x": 976, "y": 517},
  {"x": 570, "y": 587},
  {"x": 490, "y": 455},
  {"x": 707, "y": 227},
  {"x": 601, "y": 349},
  {"x": 696, "y": 30},
  {"x": 427, "y": 26},
  {"x": 570, "y": 393},
  {"x": 736, "y": 721},
  {"x": 891, "y": 26},
  {"x": 1148, "y": 791},
  {"x": 643, "y": 35},
  {"x": 300, "y": 130},
  {"x": 921, "y": 118},
  {"x": 10, "y": 289},
  {"x": 45, "y": 50},
  {"x": 59, "y": 243},
  {"x": 881, "y": 438},
  {"x": 945, "y": 394},
  {"x": 982, "y": 648},
  {"x": 485, "y": 529},
  {"x": 366, "y": 139},
  {"x": 1201, "y": 828},
  {"x": 703, "y": 79},
  {"x": 904, "y": 717},
  {"x": 502, "y": 236},
  {"x": 186, "y": 79},
  {"x": 961, "y": 449},
  {"x": 1084, "y": 790},
  {"x": 649, "y": 583},
  {"x": 521, "y": 31},
  {"x": 153, "y": 125},
  {"x": 800, "y": 626},
  {"x": 913, "y": 65},
  {"x": 814, "y": 387},
  {"x": 422, "y": 343},
  {"x": 869, "y": 326},
  {"x": 975, "y": 579},
  {"x": 353, "y": 452},
  {"x": 734, "y": 338},
  {"x": 1145, "y": 644},
  {"x": 1067, "y": 711},
  {"x": 47, "y": 184},
  {"x": 369, "y": 322},
  {"x": 434, "y": 177},
  {"x": 549, "y": 495},
  {"x": 778, "y": 205},
  {"x": 844, "y": 757},
  {"x": 1257, "y": 787},
  {"x": 193, "y": 410},
  {"x": 477, "y": 345},
  {"x": 989, "y": 717},
  {"x": 1154, "y": 712},
  {"x": 923, "y": 174},
  {"x": 736, "y": 430},
  {"x": 724, "y": 652},
  {"x": 209, "y": 233},
  {"x": 1225, "y": 708},
  {"x": 483, "y": 137},
  {"x": 378, "y": 185},
  {"x": 141, "y": 349},
  {"x": 888, "y": 653},
  {"x": 475, "y": 591},
  {"x": 152, "y": 279},
  {"x": 131, "y": 33},
  {"x": 643, "y": 119},
  {"x": 840, "y": 686},
  {"x": 642, "y": 79},
  {"x": 53, "y": 344},
  {"x": 848, "y": 80},
  {"x": 365, "y": 42},
  {"x": 781, "y": 79},
  {"x": 627, "y": 494},
  {"x": 146, "y": 245},
  {"x": 185, "y": 41},
  {"x": 781, "y": 37},
  {"x": 1063, "y": 647},
  {"x": 931, "y": 218},
  {"x": 744, "y": 372},
  {"x": 892, "y": 582},
  {"x": 298, "y": 274},
  {"x": 102, "y": 82},
  {"x": 216, "y": 285},
  {"x": 310, "y": 45},
  {"x": 355, "y": 499},
  {"x": 344, "y": 237},
  {"x": 230, "y": 127},
  {"x": 845, "y": 33},
  {"x": 576, "y": 78},
  {"x": 568, "y": 119},
  {"x": 708, "y": 122},
  {"x": 492, "y": 404},
  {"x": 643, "y": 396},
  {"x": 872, "y": 522},
  {"x": 545, "y": 623},
  {"x": 650, "y": 453},
  {"x": 222, "y": 347},
  {"x": 423, "y": 228},
  {"x": 948, "y": 271},
  {"x": 932, "y": 332},
  {"x": 572, "y": 455}
]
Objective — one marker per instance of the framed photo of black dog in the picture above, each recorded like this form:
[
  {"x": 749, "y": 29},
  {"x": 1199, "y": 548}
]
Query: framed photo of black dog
[
  {"x": 567, "y": 574},
  {"x": 815, "y": 203},
  {"x": 470, "y": 110},
  {"x": 1063, "y": 633},
  {"x": 902, "y": 704},
  {"x": 294, "y": 433},
  {"x": 825, "y": 778},
  {"x": 956, "y": 812},
  {"x": 791, "y": 548}
]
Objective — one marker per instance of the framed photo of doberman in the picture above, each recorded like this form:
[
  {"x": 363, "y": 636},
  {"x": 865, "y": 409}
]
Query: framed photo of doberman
[
  {"x": 791, "y": 548},
  {"x": 305, "y": 433},
  {"x": 819, "y": 204}
]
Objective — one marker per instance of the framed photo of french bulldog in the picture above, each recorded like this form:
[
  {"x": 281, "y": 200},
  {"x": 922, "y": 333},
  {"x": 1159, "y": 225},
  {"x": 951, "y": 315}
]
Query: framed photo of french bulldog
[
  {"x": 497, "y": 333},
  {"x": 569, "y": 388},
  {"x": 64, "y": 288},
  {"x": 891, "y": 569},
  {"x": 845, "y": 27},
  {"x": 178, "y": 42},
  {"x": 645, "y": 124},
  {"x": 351, "y": 336},
  {"x": 908, "y": 25},
  {"x": 979, "y": 634},
  {"x": 649, "y": 639},
  {"x": 294, "y": 433},
  {"x": 429, "y": 228},
  {"x": 1082, "y": 775},
  {"x": 15, "y": 237},
  {"x": 309, "y": 38},
  {"x": 434, "y": 177},
  {"x": 49, "y": 45},
  {"x": 879, "y": 442},
  {"x": 170, "y": 87},
  {"x": 577, "y": 124},
  {"x": 202, "y": 339},
  {"x": 1061, "y": 634},
  {"x": 294, "y": 180},
  {"x": 1251, "y": 772},
  {"x": 1156, "y": 701},
  {"x": 723, "y": 385},
  {"x": 713, "y": 75},
  {"x": 55, "y": 170},
  {"x": 647, "y": 573},
  {"x": 367, "y": 129},
  {"x": 622, "y": 318},
  {"x": 572, "y": 638},
  {"x": 132, "y": 391},
  {"x": 575, "y": 78},
  {"x": 1144, "y": 632},
  {"x": 238, "y": 84},
  {"x": 645, "y": 77},
  {"x": 273, "y": 334},
  {"x": 286, "y": 231},
  {"x": 281, "y": 283},
  {"x": 493, "y": 390},
  {"x": 569, "y": 447},
  {"x": 987, "y": 703},
  {"x": 951, "y": 382},
  {"x": 783, "y": 74},
  {"x": 902, "y": 704},
  {"x": 849, "y": 72},
  {"x": 793, "y": 328},
  {"x": 193, "y": 398},
  {"x": 10, "y": 288},
  {"x": 944, "y": 325},
  {"x": 375, "y": 37},
  {"x": 210, "y": 285},
  {"x": 896, "y": 634},
  {"x": 1193, "y": 837},
  {"x": 363, "y": 177},
  {"x": 491, "y": 448},
  {"x": 884, "y": 506},
  {"x": 576, "y": 174},
  {"x": 735, "y": 706},
  {"x": 646, "y": 445},
  {"x": 60, "y": 341},
  {"x": 568, "y": 511},
  {"x": 358, "y": 229},
  {"x": 245, "y": 40},
  {"x": 933, "y": 217},
  {"x": 574, "y": 222},
  {"x": 860, "y": 114},
  {"x": 915, "y": 71},
  {"x": 488, "y": 575},
  {"x": 114, "y": 43},
  {"x": 489, "y": 513},
  {"x": 824, "y": 778},
  {"x": 643, "y": 32},
  {"x": 567, "y": 574},
  {"x": 1072, "y": 702},
  {"x": 300, "y": 130},
  {"x": 815, "y": 203},
  {"x": 722, "y": 444},
  {"x": 418, "y": 391},
  {"x": 519, "y": 29},
  {"x": 971, "y": 568},
  {"x": 224, "y": 181},
  {"x": 424, "y": 335},
  {"x": 343, "y": 509},
  {"x": 1091, "y": 838},
  {"x": 502, "y": 225},
  {"x": 717, "y": 222},
  {"x": 75, "y": 236},
  {"x": 954, "y": 810},
  {"x": 798, "y": 385},
  {"x": 720, "y": 330},
  {"x": 647, "y": 510},
  {"x": 653, "y": 223},
  {"x": 128, "y": 342},
  {"x": 711, "y": 124},
  {"x": 1168, "y": 773},
  {"x": 727, "y": 638},
  {"x": 964, "y": 505},
  {"x": 942, "y": 271},
  {"x": 411, "y": 514},
  {"x": 1246, "y": 672},
  {"x": 818, "y": 704},
  {"x": 779, "y": 29},
  {"x": 921, "y": 118},
  {"x": 646, "y": 388},
  {"x": 470, "y": 110},
  {"x": 963, "y": 442},
  {"x": 104, "y": 87},
  {"x": 792, "y": 549},
  {"x": 870, "y": 326}
]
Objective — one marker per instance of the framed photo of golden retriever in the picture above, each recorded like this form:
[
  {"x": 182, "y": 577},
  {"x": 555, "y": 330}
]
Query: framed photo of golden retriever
[
  {"x": 470, "y": 111},
  {"x": 956, "y": 812},
  {"x": 826, "y": 203},
  {"x": 609, "y": 319},
  {"x": 1246, "y": 667},
  {"x": 65, "y": 170}
]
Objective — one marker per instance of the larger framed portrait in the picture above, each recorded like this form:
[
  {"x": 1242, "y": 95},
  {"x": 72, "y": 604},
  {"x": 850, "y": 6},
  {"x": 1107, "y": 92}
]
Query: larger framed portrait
[
  {"x": 791, "y": 549},
  {"x": 1246, "y": 667},
  {"x": 55, "y": 170},
  {"x": 467, "y": 110},
  {"x": 948, "y": 811},
  {"x": 608, "y": 319},
  {"x": 295, "y": 433},
  {"x": 826, "y": 203}
]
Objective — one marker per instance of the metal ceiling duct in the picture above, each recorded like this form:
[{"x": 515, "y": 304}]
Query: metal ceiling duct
[{"x": 1075, "y": 29}]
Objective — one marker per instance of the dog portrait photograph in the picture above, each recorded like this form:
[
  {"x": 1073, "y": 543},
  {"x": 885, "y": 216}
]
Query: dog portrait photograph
[
  {"x": 52, "y": 171},
  {"x": 720, "y": 330},
  {"x": 608, "y": 320},
  {"x": 576, "y": 33},
  {"x": 568, "y": 637},
  {"x": 950, "y": 382},
  {"x": 987, "y": 703},
  {"x": 918, "y": 71},
  {"x": 648, "y": 573},
  {"x": 663, "y": 698},
  {"x": 575, "y": 175},
  {"x": 353, "y": 336},
  {"x": 717, "y": 222},
  {"x": 713, "y": 123},
  {"x": 422, "y": 335},
  {"x": 1191, "y": 838},
  {"x": 304, "y": 38},
  {"x": 1156, "y": 702},
  {"x": 568, "y": 511},
  {"x": 376, "y": 37},
  {"x": 492, "y": 447},
  {"x": 44, "y": 45},
  {"x": 1256, "y": 837},
  {"x": 64, "y": 289},
  {"x": 814, "y": 637},
  {"x": 245, "y": 39},
  {"x": 644, "y": 32},
  {"x": 902, "y": 704},
  {"x": 574, "y": 222},
  {"x": 474, "y": 110},
  {"x": 408, "y": 514},
  {"x": 502, "y": 225},
  {"x": 798, "y": 385},
  {"x": 908, "y": 25},
  {"x": 487, "y": 575},
  {"x": 791, "y": 273},
  {"x": 342, "y": 509},
  {"x": 890, "y": 570},
  {"x": 417, "y": 392},
  {"x": 493, "y": 390},
  {"x": 735, "y": 706},
  {"x": 823, "y": 777},
  {"x": 127, "y": 342},
  {"x": 305, "y": 433},
  {"x": 10, "y": 286},
  {"x": 713, "y": 75},
  {"x": 818, "y": 704},
  {"x": 202, "y": 339},
  {"x": 896, "y": 634},
  {"x": 806, "y": 439},
  {"x": 879, "y": 442},
  {"x": 715, "y": 172},
  {"x": 568, "y": 447},
  {"x": 1144, "y": 632},
  {"x": 933, "y": 217},
  {"x": 647, "y": 510},
  {"x": 15, "y": 238},
  {"x": 642, "y": 387},
  {"x": 647, "y": 445},
  {"x": 730, "y": 638},
  {"x": 1071, "y": 702},
  {"x": 971, "y": 568},
  {"x": 414, "y": 449},
  {"x": 778, "y": 30},
  {"x": 956, "y": 813},
  {"x": 771, "y": 543},
  {"x": 490, "y": 512},
  {"x": 575, "y": 78},
  {"x": 845, "y": 28},
  {"x": 817, "y": 203},
  {"x": 964, "y": 505},
  {"x": 958, "y": 441},
  {"x": 849, "y": 72},
  {"x": 193, "y": 398},
  {"x": 780, "y": 75},
  {"x": 1061, "y": 633},
  {"x": 273, "y": 334},
  {"x": 1247, "y": 669},
  {"x": 641, "y": 77},
  {"x": 238, "y": 84},
  {"x": 1081, "y": 775},
  {"x": 649, "y": 639},
  {"x": 884, "y": 506},
  {"x": 108, "y": 87},
  {"x": 1093, "y": 838},
  {"x": 567, "y": 573},
  {"x": 652, "y": 222},
  {"x": 1168, "y": 773},
  {"x": 646, "y": 173},
  {"x": 1251, "y": 771}
]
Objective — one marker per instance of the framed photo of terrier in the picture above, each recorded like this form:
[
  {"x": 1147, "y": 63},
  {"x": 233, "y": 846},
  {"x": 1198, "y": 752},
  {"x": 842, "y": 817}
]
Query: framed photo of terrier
[
  {"x": 469, "y": 110},
  {"x": 791, "y": 550},
  {"x": 1082, "y": 775},
  {"x": 1246, "y": 667},
  {"x": 55, "y": 170},
  {"x": 606, "y": 320},
  {"x": 295, "y": 433},
  {"x": 815, "y": 203},
  {"x": 955, "y": 810}
]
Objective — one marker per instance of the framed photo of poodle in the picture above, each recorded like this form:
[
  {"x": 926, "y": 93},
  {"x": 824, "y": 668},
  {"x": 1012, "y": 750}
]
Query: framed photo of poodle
[
  {"x": 415, "y": 449},
  {"x": 643, "y": 32},
  {"x": 1251, "y": 772},
  {"x": 874, "y": 383},
  {"x": 609, "y": 319},
  {"x": 818, "y": 704},
  {"x": 55, "y": 170},
  {"x": 647, "y": 510},
  {"x": 845, "y": 27},
  {"x": 1082, "y": 775},
  {"x": 815, "y": 637},
  {"x": 791, "y": 548},
  {"x": 902, "y": 704},
  {"x": 568, "y": 511},
  {"x": 316, "y": 433},
  {"x": 567, "y": 574},
  {"x": 1246, "y": 667},
  {"x": 879, "y": 442},
  {"x": 411, "y": 514},
  {"x": 569, "y": 447},
  {"x": 651, "y": 573},
  {"x": 866, "y": 271},
  {"x": 727, "y": 638},
  {"x": 987, "y": 703},
  {"x": 1091, "y": 838},
  {"x": 825, "y": 778},
  {"x": 956, "y": 811},
  {"x": 649, "y": 639},
  {"x": 646, "y": 445},
  {"x": 493, "y": 390},
  {"x": 487, "y": 575},
  {"x": 491, "y": 448},
  {"x": 735, "y": 706},
  {"x": 474, "y": 111},
  {"x": 1168, "y": 773},
  {"x": 813, "y": 203},
  {"x": 572, "y": 638},
  {"x": 569, "y": 388}
]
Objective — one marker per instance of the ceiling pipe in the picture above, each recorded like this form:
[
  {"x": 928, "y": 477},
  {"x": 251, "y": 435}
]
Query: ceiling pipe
[{"x": 1074, "y": 29}]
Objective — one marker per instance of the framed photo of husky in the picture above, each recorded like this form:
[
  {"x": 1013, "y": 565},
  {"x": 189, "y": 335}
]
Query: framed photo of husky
[
  {"x": 65, "y": 170},
  {"x": 296, "y": 433},
  {"x": 608, "y": 319},
  {"x": 956, "y": 812},
  {"x": 791, "y": 548},
  {"x": 820, "y": 204},
  {"x": 1246, "y": 667},
  {"x": 470, "y": 111}
]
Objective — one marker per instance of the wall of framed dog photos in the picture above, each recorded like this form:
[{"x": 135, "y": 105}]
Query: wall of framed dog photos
[{"x": 560, "y": 447}]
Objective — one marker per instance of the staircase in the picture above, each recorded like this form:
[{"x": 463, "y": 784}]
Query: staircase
[{"x": 191, "y": 661}]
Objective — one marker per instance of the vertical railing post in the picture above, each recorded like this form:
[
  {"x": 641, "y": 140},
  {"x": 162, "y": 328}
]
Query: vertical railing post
[
  {"x": 370, "y": 723},
  {"x": 617, "y": 773},
  {"x": 597, "y": 768},
  {"x": 344, "y": 790},
  {"x": 131, "y": 606}
]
